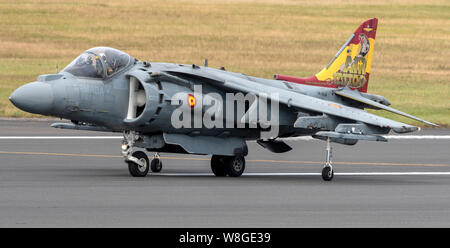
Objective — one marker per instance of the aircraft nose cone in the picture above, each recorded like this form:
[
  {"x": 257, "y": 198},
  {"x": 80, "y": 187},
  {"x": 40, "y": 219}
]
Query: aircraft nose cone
[{"x": 36, "y": 97}]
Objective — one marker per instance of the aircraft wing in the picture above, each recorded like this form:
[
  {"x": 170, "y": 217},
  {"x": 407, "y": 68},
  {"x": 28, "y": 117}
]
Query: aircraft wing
[
  {"x": 348, "y": 93},
  {"x": 291, "y": 98}
]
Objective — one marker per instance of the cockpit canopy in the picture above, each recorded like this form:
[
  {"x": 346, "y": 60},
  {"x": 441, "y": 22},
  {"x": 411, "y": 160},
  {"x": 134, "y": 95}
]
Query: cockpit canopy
[{"x": 98, "y": 62}]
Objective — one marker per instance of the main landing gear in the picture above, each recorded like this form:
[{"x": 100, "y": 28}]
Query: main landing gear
[
  {"x": 232, "y": 166},
  {"x": 327, "y": 171},
  {"x": 138, "y": 162}
]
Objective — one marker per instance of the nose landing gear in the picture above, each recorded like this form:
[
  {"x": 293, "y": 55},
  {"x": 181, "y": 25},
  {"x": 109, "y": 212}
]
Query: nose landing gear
[
  {"x": 327, "y": 171},
  {"x": 138, "y": 162}
]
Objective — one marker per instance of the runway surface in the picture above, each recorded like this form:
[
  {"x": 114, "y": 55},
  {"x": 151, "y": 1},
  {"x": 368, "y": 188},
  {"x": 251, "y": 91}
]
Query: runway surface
[{"x": 83, "y": 182}]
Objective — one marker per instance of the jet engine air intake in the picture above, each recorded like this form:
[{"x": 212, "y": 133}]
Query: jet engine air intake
[{"x": 137, "y": 99}]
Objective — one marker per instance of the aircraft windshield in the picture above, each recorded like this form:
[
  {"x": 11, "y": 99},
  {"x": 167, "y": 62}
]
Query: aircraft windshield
[{"x": 98, "y": 62}]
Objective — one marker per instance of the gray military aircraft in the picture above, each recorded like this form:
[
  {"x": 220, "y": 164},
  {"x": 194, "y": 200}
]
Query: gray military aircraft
[{"x": 158, "y": 106}]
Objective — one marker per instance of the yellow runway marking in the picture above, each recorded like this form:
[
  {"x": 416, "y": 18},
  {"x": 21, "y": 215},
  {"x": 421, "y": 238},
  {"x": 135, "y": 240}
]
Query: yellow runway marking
[{"x": 207, "y": 159}]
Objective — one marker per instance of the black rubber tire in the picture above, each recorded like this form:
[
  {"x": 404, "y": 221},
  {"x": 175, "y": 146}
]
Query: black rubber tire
[
  {"x": 327, "y": 173},
  {"x": 156, "y": 165},
  {"x": 134, "y": 169},
  {"x": 235, "y": 165},
  {"x": 218, "y": 166}
]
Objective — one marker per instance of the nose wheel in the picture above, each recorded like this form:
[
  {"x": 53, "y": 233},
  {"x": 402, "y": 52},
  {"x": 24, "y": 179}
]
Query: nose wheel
[
  {"x": 139, "y": 169},
  {"x": 138, "y": 163},
  {"x": 327, "y": 171}
]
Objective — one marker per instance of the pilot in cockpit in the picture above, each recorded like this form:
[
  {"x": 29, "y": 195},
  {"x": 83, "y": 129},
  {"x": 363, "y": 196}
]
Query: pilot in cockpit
[
  {"x": 94, "y": 62},
  {"x": 109, "y": 67}
]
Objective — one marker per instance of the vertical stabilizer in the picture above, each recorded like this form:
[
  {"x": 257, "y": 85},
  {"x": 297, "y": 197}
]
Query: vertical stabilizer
[{"x": 351, "y": 64}]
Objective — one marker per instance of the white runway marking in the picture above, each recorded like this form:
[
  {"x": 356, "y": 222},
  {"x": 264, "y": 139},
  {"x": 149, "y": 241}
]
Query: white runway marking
[
  {"x": 417, "y": 136},
  {"x": 443, "y": 173},
  {"x": 303, "y": 138},
  {"x": 389, "y": 137},
  {"x": 59, "y": 137}
]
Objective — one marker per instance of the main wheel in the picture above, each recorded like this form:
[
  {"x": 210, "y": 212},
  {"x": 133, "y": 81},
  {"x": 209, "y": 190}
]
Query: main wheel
[
  {"x": 139, "y": 170},
  {"x": 235, "y": 165},
  {"x": 327, "y": 173},
  {"x": 156, "y": 165},
  {"x": 218, "y": 166}
]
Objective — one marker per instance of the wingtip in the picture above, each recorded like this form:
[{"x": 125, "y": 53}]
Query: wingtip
[{"x": 431, "y": 124}]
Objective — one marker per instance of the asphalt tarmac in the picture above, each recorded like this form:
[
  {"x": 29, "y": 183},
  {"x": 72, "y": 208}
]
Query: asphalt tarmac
[{"x": 83, "y": 182}]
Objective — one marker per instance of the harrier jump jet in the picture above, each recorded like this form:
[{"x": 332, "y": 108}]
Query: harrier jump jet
[{"x": 154, "y": 105}]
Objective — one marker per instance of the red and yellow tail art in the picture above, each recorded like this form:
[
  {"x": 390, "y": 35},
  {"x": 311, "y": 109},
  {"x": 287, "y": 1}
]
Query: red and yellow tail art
[{"x": 350, "y": 66}]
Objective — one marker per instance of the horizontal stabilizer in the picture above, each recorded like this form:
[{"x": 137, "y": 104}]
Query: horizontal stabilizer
[{"x": 355, "y": 95}]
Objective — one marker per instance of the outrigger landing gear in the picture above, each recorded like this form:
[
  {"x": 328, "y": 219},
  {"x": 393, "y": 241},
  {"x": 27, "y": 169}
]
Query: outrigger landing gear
[
  {"x": 327, "y": 171},
  {"x": 138, "y": 163},
  {"x": 232, "y": 166}
]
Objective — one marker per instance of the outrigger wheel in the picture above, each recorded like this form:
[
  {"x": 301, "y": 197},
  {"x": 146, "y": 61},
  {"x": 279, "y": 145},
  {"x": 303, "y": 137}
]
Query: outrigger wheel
[
  {"x": 137, "y": 170},
  {"x": 327, "y": 171}
]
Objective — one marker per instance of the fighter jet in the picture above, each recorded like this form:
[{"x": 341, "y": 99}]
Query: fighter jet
[{"x": 192, "y": 109}]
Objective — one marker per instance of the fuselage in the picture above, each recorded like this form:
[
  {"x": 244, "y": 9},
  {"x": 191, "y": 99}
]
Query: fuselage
[{"x": 104, "y": 101}]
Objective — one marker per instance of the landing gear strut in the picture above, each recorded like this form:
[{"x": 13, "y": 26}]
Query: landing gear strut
[
  {"x": 138, "y": 163},
  {"x": 327, "y": 171},
  {"x": 232, "y": 166}
]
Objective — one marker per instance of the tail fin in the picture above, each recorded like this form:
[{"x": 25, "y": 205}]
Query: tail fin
[{"x": 350, "y": 66}]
